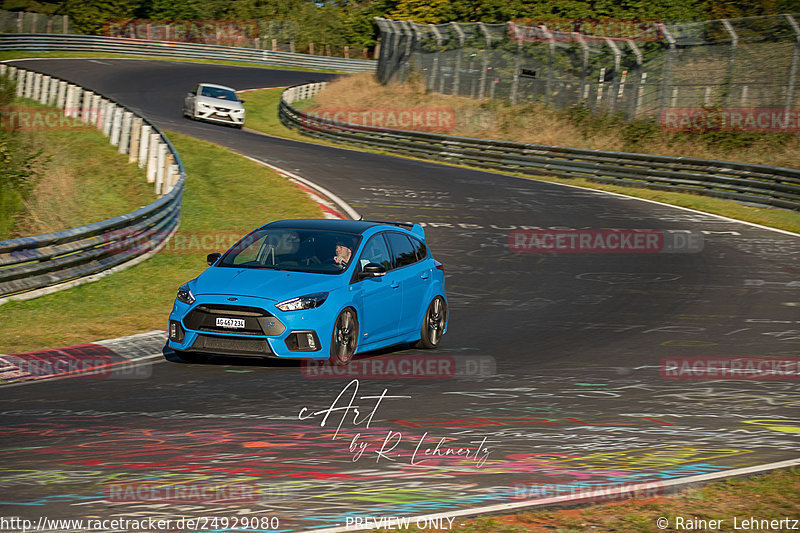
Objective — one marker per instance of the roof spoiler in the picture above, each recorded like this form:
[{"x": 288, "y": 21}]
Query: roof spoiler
[{"x": 416, "y": 229}]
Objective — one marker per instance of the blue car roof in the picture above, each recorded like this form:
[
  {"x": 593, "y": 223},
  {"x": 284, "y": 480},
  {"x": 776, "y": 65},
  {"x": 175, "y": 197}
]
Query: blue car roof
[{"x": 346, "y": 226}]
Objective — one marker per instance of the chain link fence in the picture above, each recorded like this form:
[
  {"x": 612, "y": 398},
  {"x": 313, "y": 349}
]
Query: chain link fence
[
  {"x": 734, "y": 63},
  {"x": 25, "y": 22}
]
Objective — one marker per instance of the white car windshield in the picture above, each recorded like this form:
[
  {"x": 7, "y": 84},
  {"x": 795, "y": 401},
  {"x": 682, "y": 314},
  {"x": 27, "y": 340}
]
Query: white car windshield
[{"x": 216, "y": 92}]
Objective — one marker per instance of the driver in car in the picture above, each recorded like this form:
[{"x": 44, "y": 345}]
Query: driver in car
[{"x": 342, "y": 257}]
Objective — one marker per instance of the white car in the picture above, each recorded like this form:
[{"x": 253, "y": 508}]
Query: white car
[{"x": 215, "y": 103}]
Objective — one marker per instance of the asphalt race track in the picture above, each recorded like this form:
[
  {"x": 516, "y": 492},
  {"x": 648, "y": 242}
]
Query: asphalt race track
[{"x": 558, "y": 383}]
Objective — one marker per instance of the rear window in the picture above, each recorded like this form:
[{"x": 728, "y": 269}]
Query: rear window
[{"x": 403, "y": 252}]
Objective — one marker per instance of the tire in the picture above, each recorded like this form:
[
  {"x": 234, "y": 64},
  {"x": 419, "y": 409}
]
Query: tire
[
  {"x": 433, "y": 323},
  {"x": 345, "y": 337}
]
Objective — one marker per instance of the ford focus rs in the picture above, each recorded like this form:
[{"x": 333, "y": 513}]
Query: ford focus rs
[
  {"x": 314, "y": 289},
  {"x": 215, "y": 103}
]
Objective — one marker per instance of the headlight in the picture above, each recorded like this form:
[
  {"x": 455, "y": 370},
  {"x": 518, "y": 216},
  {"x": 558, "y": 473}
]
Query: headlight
[
  {"x": 201, "y": 105},
  {"x": 185, "y": 295},
  {"x": 309, "y": 301},
  {"x": 238, "y": 111}
]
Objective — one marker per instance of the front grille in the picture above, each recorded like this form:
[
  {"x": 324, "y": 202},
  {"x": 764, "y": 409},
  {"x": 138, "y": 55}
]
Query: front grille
[
  {"x": 257, "y": 321},
  {"x": 231, "y": 345}
]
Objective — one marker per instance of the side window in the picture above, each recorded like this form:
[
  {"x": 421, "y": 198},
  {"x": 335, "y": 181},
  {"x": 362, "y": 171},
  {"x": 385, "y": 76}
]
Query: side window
[
  {"x": 422, "y": 250},
  {"x": 375, "y": 251},
  {"x": 403, "y": 252}
]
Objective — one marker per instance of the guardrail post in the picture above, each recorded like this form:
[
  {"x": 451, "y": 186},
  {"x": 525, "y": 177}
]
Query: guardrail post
[
  {"x": 37, "y": 86},
  {"x": 10, "y": 71},
  {"x": 125, "y": 134},
  {"x": 116, "y": 126},
  {"x": 94, "y": 109},
  {"x": 136, "y": 132},
  {"x": 144, "y": 144},
  {"x": 44, "y": 94},
  {"x": 161, "y": 154},
  {"x": 152, "y": 157},
  {"x": 29, "y": 83},
  {"x": 52, "y": 98},
  {"x": 20, "y": 83},
  {"x": 86, "y": 107},
  {"x": 3, "y": 69},
  {"x": 108, "y": 117},
  {"x": 61, "y": 95},
  {"x": 174, "y": 175}
]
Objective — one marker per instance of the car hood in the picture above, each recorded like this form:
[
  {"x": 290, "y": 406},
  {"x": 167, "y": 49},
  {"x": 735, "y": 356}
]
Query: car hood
[
  {"x": 275, "y": 285},
  {"x": 230, "y": 104}
]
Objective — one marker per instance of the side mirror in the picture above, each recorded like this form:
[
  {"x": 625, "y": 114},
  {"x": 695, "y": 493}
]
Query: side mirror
[
  {"x": 372, "y": 270},
  {"x": 241, "y": 101},
  {"x": 212, "y": 258}
]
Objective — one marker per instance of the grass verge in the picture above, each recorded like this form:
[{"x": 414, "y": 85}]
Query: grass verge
[
  {"x": 262, "y": 116},
  {"x": 226, "y": 195},
  {"x": 773, "y": 496},
  {"x": 69, "y": 187}
]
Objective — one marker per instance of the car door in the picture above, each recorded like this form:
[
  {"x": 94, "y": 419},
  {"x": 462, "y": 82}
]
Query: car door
[
  {"x": 381, "y": 296},
  {"x": 410, "y": 273}
]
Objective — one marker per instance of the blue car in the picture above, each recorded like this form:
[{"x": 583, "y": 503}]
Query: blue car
[{"x": 314, "y": 289}]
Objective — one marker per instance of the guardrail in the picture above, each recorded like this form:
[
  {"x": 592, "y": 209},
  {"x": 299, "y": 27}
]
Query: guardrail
[
  {"x": 95, "y": 43},
  {"x": 760, "y": 185},
  {"x": 44, "y": 263}
]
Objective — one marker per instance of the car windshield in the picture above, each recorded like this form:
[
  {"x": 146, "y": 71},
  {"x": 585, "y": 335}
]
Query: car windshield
[
  {"x": 216, "y": 92},
  {"x": 300, "y": 250}
]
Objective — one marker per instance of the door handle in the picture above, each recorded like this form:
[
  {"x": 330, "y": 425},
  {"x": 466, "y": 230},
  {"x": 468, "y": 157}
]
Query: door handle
[
  {"x": 424, "y": 275},
  {"x": 394, "y": 285}
]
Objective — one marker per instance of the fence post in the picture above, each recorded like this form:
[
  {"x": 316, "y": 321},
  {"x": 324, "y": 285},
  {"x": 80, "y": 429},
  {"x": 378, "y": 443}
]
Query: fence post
[
  {"x": 665, "y": 78},
  {"x": 435, "y": 69},
  {"x": 513, "y": 30},
  {"x": 485, "y": 67},
  {"x": 732, "y": 61},
  {"x": 795, "y": 58}
]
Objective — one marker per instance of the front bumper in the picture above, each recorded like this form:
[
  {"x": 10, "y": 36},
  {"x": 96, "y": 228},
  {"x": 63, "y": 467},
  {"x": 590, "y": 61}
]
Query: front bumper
[
  {"x": 267, "y": 331},
  {"x": 223, "y": 116}
]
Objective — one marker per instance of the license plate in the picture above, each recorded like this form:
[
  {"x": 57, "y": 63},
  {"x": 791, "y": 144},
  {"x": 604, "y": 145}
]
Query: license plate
[{"x": 230, "y": 323}]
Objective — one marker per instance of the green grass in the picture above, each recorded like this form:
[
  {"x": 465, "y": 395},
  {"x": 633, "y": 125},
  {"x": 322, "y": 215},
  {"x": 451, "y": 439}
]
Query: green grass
[
  {"x": 21, "y": 54},
  {"x": 262, "y": 115},
  {"x": 225, "y": 195}
]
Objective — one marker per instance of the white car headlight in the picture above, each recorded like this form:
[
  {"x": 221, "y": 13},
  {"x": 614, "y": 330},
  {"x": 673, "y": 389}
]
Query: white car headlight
[{"x": 310, "y": 301}]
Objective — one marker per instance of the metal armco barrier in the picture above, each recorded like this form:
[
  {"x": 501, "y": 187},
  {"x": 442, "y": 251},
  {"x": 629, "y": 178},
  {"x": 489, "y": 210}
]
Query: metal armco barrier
[
  {"x": 94, "y": 43},
  {"x": 42, "y": 261},
  {"x": 760, "y": 185}
]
